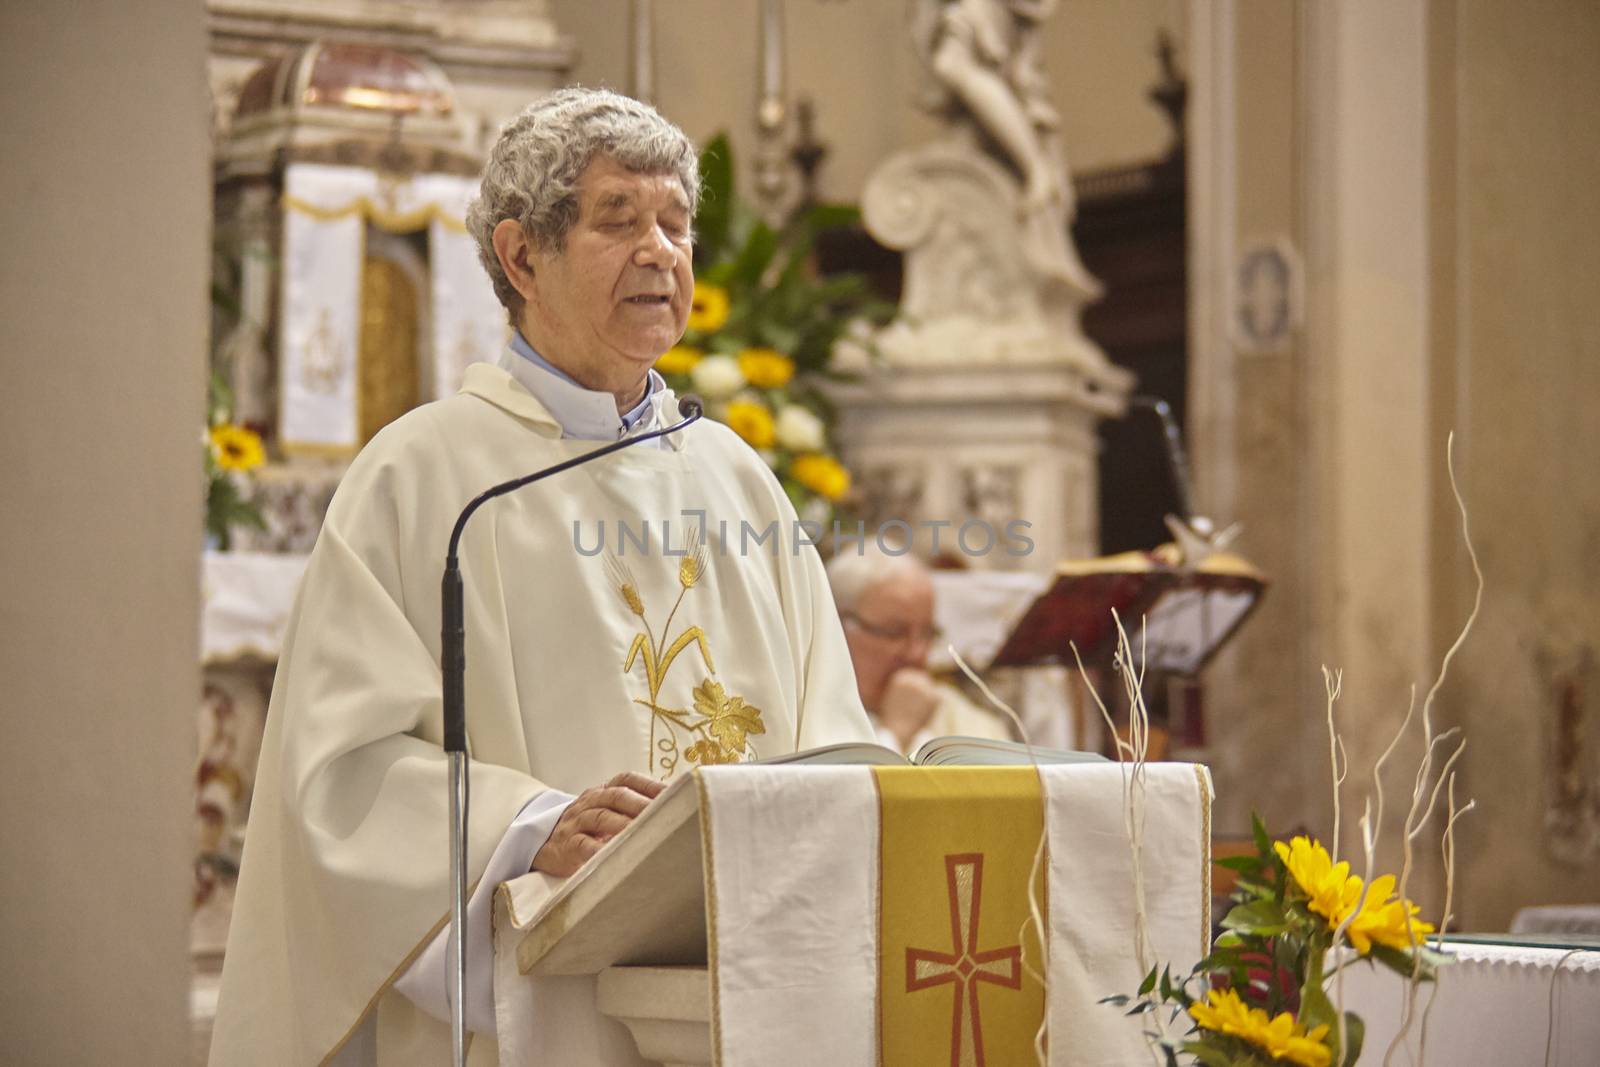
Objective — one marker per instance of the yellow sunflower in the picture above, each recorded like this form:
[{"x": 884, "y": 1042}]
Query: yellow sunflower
[
  {"x": 679, "y": 359},
  {"x": 766, "y": 368},
  {"x": 751, "y": 421},
  {"x": 821, "y": 474},
  {"x": 710, "y": 308},
  {"x": 1281, "y": 1037},
  {"x": 1388, "y": 922},
  {"x": 236, "y": 448},
  {"x": 1332, "y": 888},
  {"x": 1334, "y": 893}
]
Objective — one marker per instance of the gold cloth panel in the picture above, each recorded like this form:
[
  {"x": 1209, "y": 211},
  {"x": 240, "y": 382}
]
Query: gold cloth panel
[
  {"x": 388, "y": 374},
  {"x": 956, "y": 848}
]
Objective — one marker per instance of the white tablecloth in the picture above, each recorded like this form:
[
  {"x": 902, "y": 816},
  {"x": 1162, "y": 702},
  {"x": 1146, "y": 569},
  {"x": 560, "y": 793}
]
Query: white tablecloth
[
  {"x": 246, "y": 598},
  {"x": 1496, "y": 1006}
]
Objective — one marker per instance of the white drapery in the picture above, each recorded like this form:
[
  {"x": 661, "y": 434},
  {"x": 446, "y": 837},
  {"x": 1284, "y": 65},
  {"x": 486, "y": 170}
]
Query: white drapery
[{"x": 326, "y": 212}]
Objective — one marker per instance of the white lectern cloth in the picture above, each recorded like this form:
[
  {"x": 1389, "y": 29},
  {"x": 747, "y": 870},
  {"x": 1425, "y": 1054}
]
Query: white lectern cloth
[{"x": 796, "y": 896}]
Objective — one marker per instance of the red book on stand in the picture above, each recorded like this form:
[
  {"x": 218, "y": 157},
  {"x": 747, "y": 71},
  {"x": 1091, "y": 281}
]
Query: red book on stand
[{"x": 1188, "y": 613}]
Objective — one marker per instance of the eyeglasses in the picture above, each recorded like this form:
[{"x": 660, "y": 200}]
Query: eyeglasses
[{"x": 898, "y": 635}]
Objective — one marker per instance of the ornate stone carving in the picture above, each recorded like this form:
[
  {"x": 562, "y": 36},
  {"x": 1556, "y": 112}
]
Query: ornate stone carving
[
  {"x": 892, "y": 491},
  {"x": 991, "y": 275},
  {"x": 992, "y": 493},
  {"x": 293, "y": 499}
]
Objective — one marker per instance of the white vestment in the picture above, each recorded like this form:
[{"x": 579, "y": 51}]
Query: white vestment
[{"x": 577, "y": 668}]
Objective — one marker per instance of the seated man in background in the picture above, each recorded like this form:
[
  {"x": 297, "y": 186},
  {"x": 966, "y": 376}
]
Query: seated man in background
[{"x": 886, "y": 604}]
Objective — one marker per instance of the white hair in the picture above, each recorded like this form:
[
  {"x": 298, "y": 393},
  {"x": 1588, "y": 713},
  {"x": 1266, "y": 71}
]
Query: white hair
[
  {"x": 852, "y": 574},
  {"x": 533, "y": 170}
]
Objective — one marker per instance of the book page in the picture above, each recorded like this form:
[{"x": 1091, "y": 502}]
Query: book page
[
  {"x": 851, "y": 753},
  {"x": 986, "y": 752}
]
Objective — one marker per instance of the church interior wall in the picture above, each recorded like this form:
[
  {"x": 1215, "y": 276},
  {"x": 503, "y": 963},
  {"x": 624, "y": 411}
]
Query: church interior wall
[
  {"x": 1369, "y": 457},
  {"x": 855, "y": 61},
  {"x": 1518, "y": 376},
  {"x": 103, "y": 313},
  {"x": 1264, "y": 751},
  {"x": 1428, "y": 163}
]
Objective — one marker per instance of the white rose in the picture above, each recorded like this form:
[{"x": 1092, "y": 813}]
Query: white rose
[
  {"x": 717, "y": 377},
  {"x": 799, "y": 430}
]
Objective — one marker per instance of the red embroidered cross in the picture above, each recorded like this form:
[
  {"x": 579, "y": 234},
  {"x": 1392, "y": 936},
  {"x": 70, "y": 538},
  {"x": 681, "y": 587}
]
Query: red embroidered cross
[{"x": 964, "y": 966}]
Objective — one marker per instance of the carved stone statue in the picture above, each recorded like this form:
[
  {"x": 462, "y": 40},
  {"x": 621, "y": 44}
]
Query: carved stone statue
[{"x": 991, "y": 274}]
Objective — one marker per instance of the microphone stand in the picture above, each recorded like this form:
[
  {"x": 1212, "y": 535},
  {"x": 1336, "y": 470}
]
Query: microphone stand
[
  {"x": 1177, "y": 458},
  {"x": 453, "y": 664}
]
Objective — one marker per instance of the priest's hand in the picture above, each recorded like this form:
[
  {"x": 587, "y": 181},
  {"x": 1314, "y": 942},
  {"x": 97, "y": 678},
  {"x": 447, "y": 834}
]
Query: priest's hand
[{"x": 595, "y": 817}]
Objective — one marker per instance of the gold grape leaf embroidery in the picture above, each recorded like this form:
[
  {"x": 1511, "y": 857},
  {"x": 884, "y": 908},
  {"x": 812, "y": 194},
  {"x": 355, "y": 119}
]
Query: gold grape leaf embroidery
[
  {"x": 719, "y": 727},
  {"x": 728, "y": 718}
]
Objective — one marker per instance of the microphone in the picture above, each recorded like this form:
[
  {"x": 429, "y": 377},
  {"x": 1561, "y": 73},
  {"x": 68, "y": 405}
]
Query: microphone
[
  {"x": 453, "y": 664},
  {"x": 452, "y": 651}
]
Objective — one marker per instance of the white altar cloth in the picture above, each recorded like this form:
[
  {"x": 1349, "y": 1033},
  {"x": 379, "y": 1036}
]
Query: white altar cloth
[
  {"x": 1495, "y": 1006},
  {"x": 245, "y": 602}
]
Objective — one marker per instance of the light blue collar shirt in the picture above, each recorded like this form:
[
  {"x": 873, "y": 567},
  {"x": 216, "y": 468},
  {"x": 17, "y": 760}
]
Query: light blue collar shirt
[{"x": 584, "y": 414}]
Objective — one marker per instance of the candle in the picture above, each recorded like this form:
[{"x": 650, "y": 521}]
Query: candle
[{"x": 772, "y": 50}]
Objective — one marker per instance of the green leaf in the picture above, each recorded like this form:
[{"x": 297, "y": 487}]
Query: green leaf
[
  {"x": 1261, "y": 917},
  {"x": 1316, "y": 1009},
  {"x": 752, "y": 260},
  {"x": 1221, "y": 959},
  {"x": 1148, "y": 984},
  {"x": 1258, "y": 830},
  {"x": 1206, "y": 1055},
  {"x": 1355, "y": 1035},
  {"x": 1248, "y": 887},
  {"x": 716, "y": 199},
  {"x": 781, "y": 337},
  {"x": 1404, "y": 963},
  {"x": 716, "y": 274},
  {"x": 1117, "y": 1001},
  {"x": 1238, "y": 863},
  {"x": 831, "y": 216}
]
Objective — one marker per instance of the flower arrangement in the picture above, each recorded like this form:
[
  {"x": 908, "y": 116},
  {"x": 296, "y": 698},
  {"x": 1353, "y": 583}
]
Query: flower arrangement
[
  {"x": 1261, "y": 995},
  {"x": 231, "y": 452},
  {"x": 761, "y": 331}
]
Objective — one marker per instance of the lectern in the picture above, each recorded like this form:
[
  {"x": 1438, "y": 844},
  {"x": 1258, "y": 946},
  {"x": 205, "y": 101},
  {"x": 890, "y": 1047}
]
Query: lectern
[
  {"x": 851, "y": 915},
  {"x": 635, "y": 917}
]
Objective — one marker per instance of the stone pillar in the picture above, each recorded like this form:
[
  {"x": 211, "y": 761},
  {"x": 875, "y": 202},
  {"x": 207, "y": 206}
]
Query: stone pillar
[{"x": 984, "y": 446}]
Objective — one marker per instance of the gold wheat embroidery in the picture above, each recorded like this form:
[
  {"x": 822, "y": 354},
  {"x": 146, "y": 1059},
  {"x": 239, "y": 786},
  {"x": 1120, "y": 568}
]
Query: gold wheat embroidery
[{"x": 720, "y": 724}]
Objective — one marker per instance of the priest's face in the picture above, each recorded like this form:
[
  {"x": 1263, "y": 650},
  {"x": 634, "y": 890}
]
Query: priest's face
[
  {"x": 890, "y": 627},
  {"x": 608, "y": 305}
]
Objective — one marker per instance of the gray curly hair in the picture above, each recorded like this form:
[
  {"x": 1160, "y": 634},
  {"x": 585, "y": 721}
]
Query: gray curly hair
[{"x": 533, "y": 170}]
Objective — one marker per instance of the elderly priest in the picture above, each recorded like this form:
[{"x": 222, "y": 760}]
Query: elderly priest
[{"x": 593, "y": 676}]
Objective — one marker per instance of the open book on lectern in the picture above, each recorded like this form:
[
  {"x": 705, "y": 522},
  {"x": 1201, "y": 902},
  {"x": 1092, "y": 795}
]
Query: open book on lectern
[{"x": 940, "y": 752}]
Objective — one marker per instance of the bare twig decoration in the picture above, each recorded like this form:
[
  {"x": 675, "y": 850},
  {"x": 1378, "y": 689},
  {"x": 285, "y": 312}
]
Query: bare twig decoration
[
  {"x": 1299, "y": 902},
  {"x": 1132, "y": 757}
]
